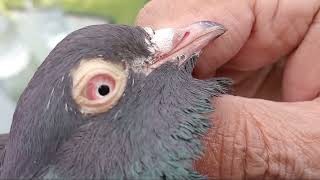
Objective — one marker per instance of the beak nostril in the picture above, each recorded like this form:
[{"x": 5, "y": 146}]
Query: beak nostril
[
  {"x": 179, "y": 39},
  {"x": 185, "y": 35}
]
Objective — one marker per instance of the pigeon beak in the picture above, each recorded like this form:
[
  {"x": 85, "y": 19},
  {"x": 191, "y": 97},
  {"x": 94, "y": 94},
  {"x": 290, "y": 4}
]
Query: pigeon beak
[{"x": 181, "y": 43}]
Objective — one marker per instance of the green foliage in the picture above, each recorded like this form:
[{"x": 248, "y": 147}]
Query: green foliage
[
  {"x": 121, "y": 11},
  {"x": 5, "y": 5},
  {"x": 11, "y": 3}
]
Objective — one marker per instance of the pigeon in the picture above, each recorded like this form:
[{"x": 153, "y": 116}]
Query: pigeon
[{"x": 115, "y": 102}]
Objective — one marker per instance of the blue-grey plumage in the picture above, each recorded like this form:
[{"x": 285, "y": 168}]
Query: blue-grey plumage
[{"x": 150, "y": 128}]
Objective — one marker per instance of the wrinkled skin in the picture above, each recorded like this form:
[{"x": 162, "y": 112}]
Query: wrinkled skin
[{"x": 271, "y": 128}]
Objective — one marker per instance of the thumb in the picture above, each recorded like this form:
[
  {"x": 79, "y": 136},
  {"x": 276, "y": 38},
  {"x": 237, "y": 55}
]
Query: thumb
[
  {"x": 257, "y": 139},
  {"x": 236, "y": 16}
]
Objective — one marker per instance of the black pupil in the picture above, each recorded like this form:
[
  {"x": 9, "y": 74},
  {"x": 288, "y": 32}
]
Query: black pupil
[{"x": 104, "y": 90}]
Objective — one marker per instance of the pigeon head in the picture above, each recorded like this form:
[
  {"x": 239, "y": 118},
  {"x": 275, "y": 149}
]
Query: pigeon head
[{"x": 114, "y": 101}]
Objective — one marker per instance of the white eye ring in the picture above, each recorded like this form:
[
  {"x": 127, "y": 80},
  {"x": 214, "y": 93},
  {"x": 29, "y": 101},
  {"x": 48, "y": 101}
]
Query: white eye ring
[{"x": 89, "y": 69}]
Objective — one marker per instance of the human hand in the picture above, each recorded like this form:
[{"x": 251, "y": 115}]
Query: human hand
[{"x": 271, "y": 52}]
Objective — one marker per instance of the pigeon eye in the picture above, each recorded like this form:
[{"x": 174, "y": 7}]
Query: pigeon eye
[{"x": 98, "y": 85}]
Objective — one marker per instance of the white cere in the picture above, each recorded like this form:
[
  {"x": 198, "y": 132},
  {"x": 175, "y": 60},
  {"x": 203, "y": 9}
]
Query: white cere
[
  {"x": 163, "y": 39},
  {"x": 160, "y": 40}
]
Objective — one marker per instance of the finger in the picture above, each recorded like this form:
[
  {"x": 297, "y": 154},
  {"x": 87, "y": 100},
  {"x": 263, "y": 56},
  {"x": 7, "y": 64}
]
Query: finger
[
  {"x": 236, "y": 16},
  {"x": 279, "y": 27},
  {"x": 301, "y": 77},
  {"x": 257, "y": 139},
  {"x": 238, "y": 19}
]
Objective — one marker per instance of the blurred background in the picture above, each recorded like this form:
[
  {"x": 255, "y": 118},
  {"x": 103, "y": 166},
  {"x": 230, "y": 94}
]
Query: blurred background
[{"x": 29, "y": 29}]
